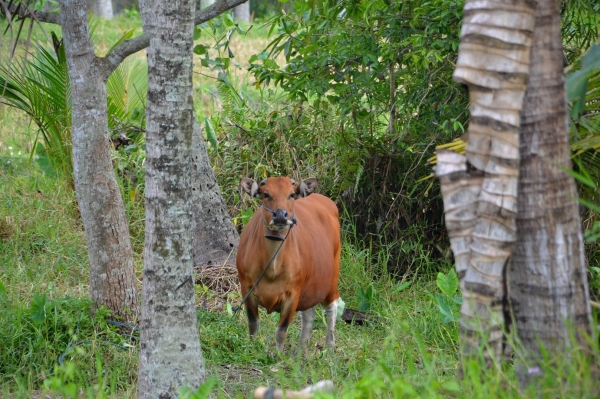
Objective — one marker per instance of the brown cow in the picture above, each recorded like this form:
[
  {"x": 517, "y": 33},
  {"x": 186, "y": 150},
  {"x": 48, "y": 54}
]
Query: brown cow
[{"x": 305, "y": 271}]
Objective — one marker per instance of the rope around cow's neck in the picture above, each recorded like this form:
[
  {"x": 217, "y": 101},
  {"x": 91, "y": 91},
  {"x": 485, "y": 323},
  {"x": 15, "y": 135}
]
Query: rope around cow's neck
[{"x": 237, "y": 308}]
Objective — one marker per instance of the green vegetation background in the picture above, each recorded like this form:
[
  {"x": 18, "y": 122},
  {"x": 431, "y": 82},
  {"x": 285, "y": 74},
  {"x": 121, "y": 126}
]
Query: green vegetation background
[{"x": 305, "y": 93}]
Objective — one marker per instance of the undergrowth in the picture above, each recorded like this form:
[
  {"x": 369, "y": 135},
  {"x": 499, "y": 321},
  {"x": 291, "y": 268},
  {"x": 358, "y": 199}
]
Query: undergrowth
[{"x": 51, "y": 343}]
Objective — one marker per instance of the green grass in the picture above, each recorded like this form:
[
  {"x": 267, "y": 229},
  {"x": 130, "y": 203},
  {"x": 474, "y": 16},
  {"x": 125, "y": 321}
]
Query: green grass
[
  {"x": 44, "y": 305},
  {"x": 44, "y": 298}
]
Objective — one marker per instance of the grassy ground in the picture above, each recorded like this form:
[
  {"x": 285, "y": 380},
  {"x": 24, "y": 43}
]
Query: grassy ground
[
  {"x": 406, "y": 351},
  {"x": 44, "y": 303}
]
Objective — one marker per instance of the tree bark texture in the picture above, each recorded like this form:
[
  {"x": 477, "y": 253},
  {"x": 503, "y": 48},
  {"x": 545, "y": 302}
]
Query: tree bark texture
[
  {"x": 480, "y": 204},
  {"x": 547, "y": 277},
  {"x": 170, "y": 354},
  {"x": 242, "y": 12},
  {"x": 112, "y": 275},
  {"x": 215, "y": 239},
  {"x": 102, "y": 8}
]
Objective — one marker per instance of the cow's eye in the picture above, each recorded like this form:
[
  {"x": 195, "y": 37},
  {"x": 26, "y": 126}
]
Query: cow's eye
[
  {"x": 292, "y": 196},
  {"x": 266, "y": 196}
]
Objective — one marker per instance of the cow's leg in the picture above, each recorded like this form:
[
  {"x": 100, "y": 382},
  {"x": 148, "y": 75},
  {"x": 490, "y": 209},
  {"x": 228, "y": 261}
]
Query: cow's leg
[
  {"x": 287, "y": 314},
  {"x": 252, "y": 314},
  {"x": 331, "y": 313},
  {"x": 307, "y": 316}
]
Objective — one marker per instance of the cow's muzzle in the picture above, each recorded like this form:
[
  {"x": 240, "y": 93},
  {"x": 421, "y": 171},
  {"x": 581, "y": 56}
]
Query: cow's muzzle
[{"x": 280, "y": 219}]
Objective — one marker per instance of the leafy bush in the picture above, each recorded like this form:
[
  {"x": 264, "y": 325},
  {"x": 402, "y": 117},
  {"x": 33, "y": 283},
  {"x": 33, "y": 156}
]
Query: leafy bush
[{"x": 363, "y": 98}]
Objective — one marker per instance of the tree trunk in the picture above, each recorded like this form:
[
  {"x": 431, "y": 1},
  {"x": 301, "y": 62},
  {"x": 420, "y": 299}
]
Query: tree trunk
[
  {"x": 242, "y": 12},
  {"x": 215, "y": 237},
  {"x": 103, "y": 8},
  {"x": 170, "y": 354},
  {"x": 480, "y": 204},
  {"x": 547, "y": 274},
  {"x": 112, "y": 275}
]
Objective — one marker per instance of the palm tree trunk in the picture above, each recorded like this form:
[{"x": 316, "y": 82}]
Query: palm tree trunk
[
  {"x": 547, "y": 274},
  {"x": 170, "y": 354},
  {"x": 480, "y": 204},
  {"x": 112, "y": 275}
]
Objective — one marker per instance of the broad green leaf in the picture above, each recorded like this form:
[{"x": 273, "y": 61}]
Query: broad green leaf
[
  {"x": 448, "y": 284},
  {"x": 44, "y": 160},
  {"x": 228, "y": 21},
  {"x": 446, "y": 309},
  {"x": 199, "y": 49},
  {"x": 365, "y": 298},
  {"x": 206, "y": 388},
  {"x": 197, "y": 32},
  {"x": 38, "y": 308}
]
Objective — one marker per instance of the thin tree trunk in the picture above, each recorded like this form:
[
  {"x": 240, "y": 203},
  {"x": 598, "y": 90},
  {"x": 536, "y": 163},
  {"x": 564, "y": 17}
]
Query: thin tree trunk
[
  {"x": 170, "y": 354},
  {"x": 242, "y": 12},
  {"x": 547, "y": 274},
  {"x": 112, "y": 275},
  {"x": 480, "y": 205},
  {"x": 103, "y": 8}
]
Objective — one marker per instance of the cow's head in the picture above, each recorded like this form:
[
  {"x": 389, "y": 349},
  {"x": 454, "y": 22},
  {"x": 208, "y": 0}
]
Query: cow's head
[{"x": 278, "y": 195}]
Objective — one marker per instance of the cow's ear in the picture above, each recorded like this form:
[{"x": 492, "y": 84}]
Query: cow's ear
[
  {"x": 249, "y": 186},
  {"x": 306, "y": 187}
]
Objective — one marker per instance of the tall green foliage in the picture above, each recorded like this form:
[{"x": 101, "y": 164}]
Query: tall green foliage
[
  {"x": 40, "y": 87},
  {"x": 362, "y": 95}
]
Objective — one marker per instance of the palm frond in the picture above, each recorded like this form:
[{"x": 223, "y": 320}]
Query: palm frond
[
  {"x": 126, "y": 91},
  {"x": 40, "y": 88}
]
